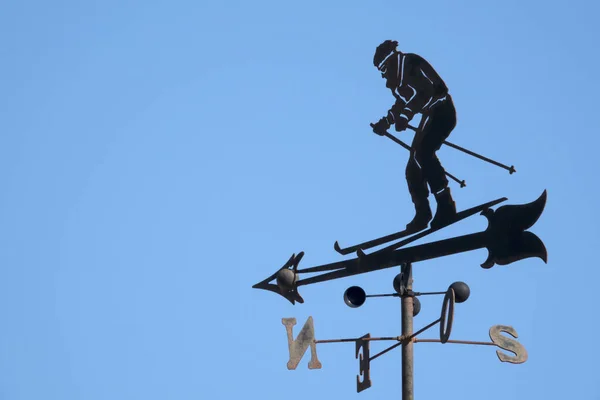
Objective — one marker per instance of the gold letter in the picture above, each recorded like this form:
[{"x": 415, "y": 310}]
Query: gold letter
[
  {"x": 298, "y": 347},
  {"x": 508, "y": 344}
]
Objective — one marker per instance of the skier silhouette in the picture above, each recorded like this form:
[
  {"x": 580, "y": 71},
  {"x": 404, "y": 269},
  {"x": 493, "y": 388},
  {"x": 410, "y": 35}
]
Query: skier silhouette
[{"x": 419, "y": 89}]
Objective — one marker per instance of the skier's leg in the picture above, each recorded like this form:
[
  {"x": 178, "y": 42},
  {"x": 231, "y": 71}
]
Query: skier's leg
[
  {"x": 439, "y": 124},
  {"x": 417, "y": 187},
  {"x": 433, "y": 171}
]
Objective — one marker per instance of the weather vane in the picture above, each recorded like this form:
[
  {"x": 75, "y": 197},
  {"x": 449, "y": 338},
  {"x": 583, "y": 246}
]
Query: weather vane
[{"x": 417, "y": 89}]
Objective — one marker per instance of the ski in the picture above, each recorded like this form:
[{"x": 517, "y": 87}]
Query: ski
[
  {"x": 459, "y": 217},
  {"x": 372, "y": 243},
  {"x": 401, "y": 234}
]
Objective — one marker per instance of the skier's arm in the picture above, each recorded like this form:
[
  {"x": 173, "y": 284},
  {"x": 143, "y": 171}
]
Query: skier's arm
[
  {"x": 403, "y": 93},
  {"x": 428, "y": 82},
  {"x": 407, "y": 102},
  {"x": 395, "y": 111},
  {"x": 407, "y": 109}
]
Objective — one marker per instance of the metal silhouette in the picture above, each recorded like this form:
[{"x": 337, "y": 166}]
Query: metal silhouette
[{"x": 417, "y": 89}]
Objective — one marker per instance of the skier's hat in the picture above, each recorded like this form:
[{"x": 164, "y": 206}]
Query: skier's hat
[{"x": 383, "y": 52}]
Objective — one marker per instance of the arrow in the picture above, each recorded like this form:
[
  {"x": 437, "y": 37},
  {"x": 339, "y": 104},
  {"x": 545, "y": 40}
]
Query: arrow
[{"x": 505, "y": 238}]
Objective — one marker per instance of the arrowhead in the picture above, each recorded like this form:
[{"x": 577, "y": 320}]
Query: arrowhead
[
  {"x": 508, "y": 239},
  {"x": 286, "y": 278}
]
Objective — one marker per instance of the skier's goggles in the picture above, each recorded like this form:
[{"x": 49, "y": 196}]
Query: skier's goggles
[{"x": 383, "y": 65}]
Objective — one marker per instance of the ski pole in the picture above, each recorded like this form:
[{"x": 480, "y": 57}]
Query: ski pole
[
  {"x": 407, "y": 147},
  {"x": 510, "y": 169}
]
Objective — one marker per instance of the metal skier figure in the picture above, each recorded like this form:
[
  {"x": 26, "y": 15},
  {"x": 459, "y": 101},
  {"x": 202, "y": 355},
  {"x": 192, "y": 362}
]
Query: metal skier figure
[{"x": 419, "y": 89}]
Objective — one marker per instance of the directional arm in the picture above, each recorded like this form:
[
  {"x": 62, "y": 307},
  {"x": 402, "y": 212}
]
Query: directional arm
[
  {"x": 505, "y": 238},
  {"x": 378, "y": 261}
]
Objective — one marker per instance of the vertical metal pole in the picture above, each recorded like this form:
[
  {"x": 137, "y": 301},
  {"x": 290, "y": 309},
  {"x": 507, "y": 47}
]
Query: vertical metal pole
[{"x": 407, "y": 330}]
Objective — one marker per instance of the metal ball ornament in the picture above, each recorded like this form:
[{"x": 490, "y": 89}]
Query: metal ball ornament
[
  {"x": 286, "y": 279},
  {"x": 355, "y": 296},
  {"x": 398, "y": 287},
  {"x": 461, "y": 291},
  {"x": 416, "y": 306}
]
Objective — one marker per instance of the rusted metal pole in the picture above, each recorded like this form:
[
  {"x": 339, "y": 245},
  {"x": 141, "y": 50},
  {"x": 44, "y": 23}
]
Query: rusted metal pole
[
  {"x": 357, "y": 339},
  {"x": 416, "y": 340},
  {"x": 407, "y": 329}
]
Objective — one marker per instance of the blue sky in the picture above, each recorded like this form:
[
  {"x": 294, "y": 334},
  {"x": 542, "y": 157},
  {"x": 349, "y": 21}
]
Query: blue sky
[{"x": 159, "y": 158}]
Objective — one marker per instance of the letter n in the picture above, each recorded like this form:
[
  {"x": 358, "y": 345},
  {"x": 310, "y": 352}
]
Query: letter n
[{"x": 298, "y": 347}]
